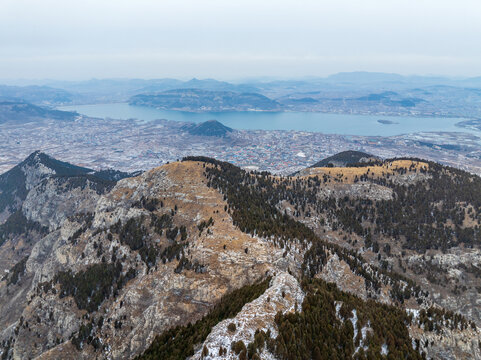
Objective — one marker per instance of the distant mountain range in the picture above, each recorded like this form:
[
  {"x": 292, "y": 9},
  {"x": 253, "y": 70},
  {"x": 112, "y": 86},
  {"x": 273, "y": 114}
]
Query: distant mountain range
[
  {"x": 197, "y": 100},
  {"x": 354, "y": 92},
  {"x": 44, "y": 95},
  {"x": 343, "y": 79}
]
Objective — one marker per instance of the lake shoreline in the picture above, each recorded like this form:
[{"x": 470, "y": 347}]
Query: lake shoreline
[{"x": 328, "y": 123}]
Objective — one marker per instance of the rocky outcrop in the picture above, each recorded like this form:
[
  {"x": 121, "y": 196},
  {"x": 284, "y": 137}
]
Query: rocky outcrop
[
  {"x": 459, "y": 268},
  {"x": 360, "y": 190},
  {"x": 283, "y": 295},
  {"x": 338, "y": 272},
  {"x": 54, "y": 199},
  {"x": 35, "y": 171},
  {"x": 448, "y": 344}
]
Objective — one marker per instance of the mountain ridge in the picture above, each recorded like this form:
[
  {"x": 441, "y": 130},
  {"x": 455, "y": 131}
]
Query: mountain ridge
[{"x": 204, "y": 242}]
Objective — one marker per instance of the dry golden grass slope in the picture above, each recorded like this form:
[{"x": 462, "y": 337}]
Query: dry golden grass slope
[{"x": 348, "y": 174}]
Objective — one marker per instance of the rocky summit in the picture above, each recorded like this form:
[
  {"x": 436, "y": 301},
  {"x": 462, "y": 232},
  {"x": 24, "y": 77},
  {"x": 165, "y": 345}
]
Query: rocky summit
[{"x": 200, "y": 259}]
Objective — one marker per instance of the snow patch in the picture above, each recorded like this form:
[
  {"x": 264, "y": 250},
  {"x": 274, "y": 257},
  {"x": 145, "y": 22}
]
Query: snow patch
[
  {"x": 413, "y": 312},
  {"x": 338, "y": 309},
  {"x": 354, "y": 324}
]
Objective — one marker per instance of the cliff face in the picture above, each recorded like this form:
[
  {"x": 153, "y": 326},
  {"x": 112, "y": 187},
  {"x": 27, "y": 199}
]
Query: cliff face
[
  {"x": 53, "y": 200},
  {"x": 38, "y": 195},
  {"x": 114, "y": 266}
]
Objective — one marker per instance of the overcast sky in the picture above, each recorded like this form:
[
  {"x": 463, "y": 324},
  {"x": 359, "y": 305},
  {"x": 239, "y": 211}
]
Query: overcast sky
[{"x": 229, "y": 39}]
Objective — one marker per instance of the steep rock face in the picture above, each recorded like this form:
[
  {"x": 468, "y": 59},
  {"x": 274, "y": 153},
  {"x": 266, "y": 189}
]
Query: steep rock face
[
  {"x": 37, "y": 196},
  {"x": 16, "y": 183},
  {"x": 459, "y": 267},
  {"x": 448, "y": 343},
  {"x": 55, "y": 199},
  {"x": 39, "y": 267},
  {"x": 338, "y": 272},
  {"x": 15, "y": 248},
  {"x": 35, "y": 171}
]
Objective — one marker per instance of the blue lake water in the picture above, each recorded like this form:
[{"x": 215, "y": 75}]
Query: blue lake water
[{"x": 343, "y": 124}]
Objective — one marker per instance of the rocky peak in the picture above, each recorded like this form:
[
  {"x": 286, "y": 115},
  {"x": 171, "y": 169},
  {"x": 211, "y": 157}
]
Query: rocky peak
[
  {"x": 39, "y": 194},
  {"x": 18, "y": 181},
  {"x": 39, "y": 165}
]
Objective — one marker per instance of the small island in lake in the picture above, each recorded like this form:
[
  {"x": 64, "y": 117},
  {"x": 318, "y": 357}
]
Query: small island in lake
[
  {"x": 387, "y": 122},
  {"x": 474, "y": 124}
]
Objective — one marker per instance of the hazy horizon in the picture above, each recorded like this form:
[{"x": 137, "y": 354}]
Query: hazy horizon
[
  {"x": 65, "y": 40},
  {"x": 239, "y": 80}
]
